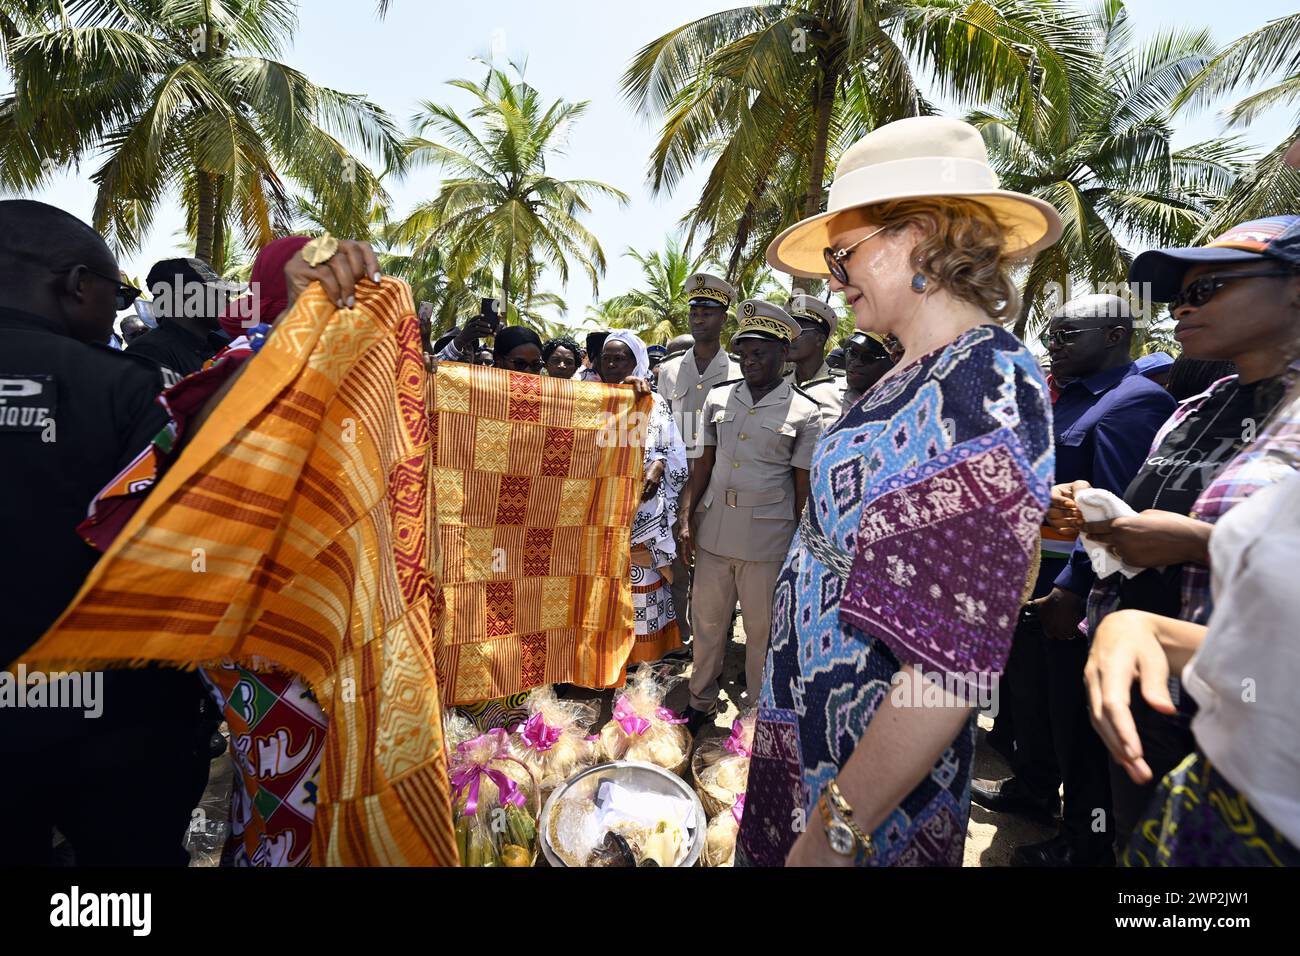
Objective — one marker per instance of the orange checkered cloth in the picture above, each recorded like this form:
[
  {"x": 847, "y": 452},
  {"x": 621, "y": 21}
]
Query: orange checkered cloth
[
  {"x": 537, "y": 482},
  {"x": 297, "y": 528}
]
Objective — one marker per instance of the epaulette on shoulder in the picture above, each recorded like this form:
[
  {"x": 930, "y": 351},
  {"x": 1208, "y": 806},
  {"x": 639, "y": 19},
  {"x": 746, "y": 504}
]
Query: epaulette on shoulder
[
  {"x": 817, "y": 381},
  {"x": 730, "y": 381},
  {"x": 800, "y": 390}
]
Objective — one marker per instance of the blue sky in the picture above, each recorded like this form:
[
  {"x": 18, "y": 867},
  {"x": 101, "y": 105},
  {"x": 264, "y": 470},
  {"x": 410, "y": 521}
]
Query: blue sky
[{"x": 578, "y": 50}]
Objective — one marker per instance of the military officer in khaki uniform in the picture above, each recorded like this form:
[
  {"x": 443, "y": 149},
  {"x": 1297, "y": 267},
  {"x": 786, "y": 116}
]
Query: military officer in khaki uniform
[
  {"x": 743, "y": 499},
  {"x": 685, "y": 382},
  {"x": 808, "y": 353}
]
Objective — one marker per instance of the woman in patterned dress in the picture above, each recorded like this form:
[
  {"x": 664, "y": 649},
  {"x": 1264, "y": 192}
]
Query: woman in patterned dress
[
  {"x": 623, "y": 357},
  {"x": 898, "y": 598}
]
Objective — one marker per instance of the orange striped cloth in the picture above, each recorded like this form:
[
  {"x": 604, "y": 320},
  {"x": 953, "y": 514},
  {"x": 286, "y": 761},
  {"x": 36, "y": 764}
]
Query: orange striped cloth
[
  {"x": 537, "y": 482},
  {"x": 297, "y": 527}
]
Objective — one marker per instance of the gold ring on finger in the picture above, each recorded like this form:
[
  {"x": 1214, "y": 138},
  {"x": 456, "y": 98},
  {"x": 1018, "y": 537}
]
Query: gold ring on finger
[{"x": 320, "y": 250}]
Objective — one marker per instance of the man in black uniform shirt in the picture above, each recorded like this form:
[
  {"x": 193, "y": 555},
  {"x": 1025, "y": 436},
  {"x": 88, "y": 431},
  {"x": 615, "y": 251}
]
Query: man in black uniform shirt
[
  {"x": 119, "y": 785},
  {"x": 187, "y": 298}
]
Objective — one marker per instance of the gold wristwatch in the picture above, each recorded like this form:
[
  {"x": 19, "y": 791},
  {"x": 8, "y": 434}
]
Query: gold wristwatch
[{"x": 845, "y": 837}]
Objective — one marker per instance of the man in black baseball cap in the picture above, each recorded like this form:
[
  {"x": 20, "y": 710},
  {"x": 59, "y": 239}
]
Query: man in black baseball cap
[
  {"x": 866, "y": 359},
  {"x": 188, "y": 296}
]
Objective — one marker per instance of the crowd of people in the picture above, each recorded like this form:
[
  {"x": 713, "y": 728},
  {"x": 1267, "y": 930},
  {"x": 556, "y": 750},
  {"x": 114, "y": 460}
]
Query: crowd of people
[{"x": 925, "y": 511}]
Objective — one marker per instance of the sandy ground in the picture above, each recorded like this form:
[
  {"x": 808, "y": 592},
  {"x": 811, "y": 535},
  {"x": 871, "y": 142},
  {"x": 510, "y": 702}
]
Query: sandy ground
[{"x": 989, "y": 840}]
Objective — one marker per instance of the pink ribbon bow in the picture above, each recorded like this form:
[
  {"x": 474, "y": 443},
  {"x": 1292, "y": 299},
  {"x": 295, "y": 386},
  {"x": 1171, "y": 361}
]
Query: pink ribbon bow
[
  {"x": 738, "y": 808},
  {"x": 471, "y": 773},
  {"x": 633, "y": 724},
  {"x": 538, "y": 735},
  {"x": 736, "y": 742}
]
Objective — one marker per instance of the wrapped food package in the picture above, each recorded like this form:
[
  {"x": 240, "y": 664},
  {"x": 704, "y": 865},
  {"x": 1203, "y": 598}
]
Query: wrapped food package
[
  {"x": 642, "y": 728},
  {"x": 552, "y": 742},
  {"x": 456, "y": 729},
  {"x": 720, "y": 838},
  {"x": 720, "y": 766},
  {"x": 495, "y": 803}
]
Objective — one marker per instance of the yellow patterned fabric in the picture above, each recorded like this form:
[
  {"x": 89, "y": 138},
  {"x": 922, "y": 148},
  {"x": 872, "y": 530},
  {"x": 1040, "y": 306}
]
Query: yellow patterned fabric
[
  {"x": 537, "y": 482},
  {"x": 1198, "y": 818},
  {"x": 297, "y": 528}
]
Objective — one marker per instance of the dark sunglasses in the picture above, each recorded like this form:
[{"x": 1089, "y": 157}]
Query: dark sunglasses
[
  {"x": 519, "y": 365},
  {"x": 126, "y": 294},
  {"x": 866, "y": 354},
  {"x": 1205, "y": 288},
  {"x": 835, "y": 258},
  {"x": 1061, "y": 337}
]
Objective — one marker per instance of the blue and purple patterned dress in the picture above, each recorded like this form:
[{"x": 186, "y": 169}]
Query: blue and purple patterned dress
[{"x": 916, "y": 547}]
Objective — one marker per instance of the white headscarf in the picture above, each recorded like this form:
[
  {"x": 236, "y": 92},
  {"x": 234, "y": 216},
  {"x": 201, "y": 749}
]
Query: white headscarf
[{"x": 639, "y": 353}]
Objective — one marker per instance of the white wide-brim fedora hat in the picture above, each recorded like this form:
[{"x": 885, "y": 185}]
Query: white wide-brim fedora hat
[{"x": 914, "y": 158}]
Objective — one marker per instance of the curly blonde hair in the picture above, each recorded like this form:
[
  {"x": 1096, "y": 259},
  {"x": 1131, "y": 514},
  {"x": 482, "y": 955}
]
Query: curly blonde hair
[{"x": 962, "y": 250}]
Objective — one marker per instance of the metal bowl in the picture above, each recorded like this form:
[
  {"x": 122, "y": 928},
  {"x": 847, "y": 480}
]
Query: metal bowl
[{"x": 641, "y": 776}]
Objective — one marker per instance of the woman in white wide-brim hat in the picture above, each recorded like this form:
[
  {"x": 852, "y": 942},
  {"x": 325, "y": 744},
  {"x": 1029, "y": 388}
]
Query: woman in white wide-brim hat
[{"x": 895, "y": 610}]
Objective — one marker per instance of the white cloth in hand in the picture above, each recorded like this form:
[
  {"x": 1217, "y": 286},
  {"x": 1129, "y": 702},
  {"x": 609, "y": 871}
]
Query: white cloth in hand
[{"x": 1097, "y": 504}]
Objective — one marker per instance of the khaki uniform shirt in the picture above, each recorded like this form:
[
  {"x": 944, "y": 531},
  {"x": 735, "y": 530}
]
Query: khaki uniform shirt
[
  {"x": 686, "y": 389},
  {"x": 827, "y": 390},
  {"x": 747, "y": 510}
]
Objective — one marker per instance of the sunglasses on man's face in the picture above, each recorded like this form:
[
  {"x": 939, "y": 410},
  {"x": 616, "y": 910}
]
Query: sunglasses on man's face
[
  {"x": 126, "y": 294},
  {"x": 866, "y": 354},
  {"x": 522, "y": 365},
  {"x": 1202, "y": 290},
  {"x": 1060, "y": 338}
]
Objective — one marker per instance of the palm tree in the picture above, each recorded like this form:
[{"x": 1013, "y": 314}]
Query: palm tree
[
  {"x": 659, "y": 309},
  {"x": 1115, "y": 178},
  {"x": 531, "y": 301},
  {"x": 604, "y": 314},
  {"x": 771, "y": 93},
  {"x": 1271, "y": 187},
  {"x": 238, "y": 260},
  {"x": 497, "y": 204},
  {"x": 182, "y": 97},
  {"x": 453, "y": 297}
]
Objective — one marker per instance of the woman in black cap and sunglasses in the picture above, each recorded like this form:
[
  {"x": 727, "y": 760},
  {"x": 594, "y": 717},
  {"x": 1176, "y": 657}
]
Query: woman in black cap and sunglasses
[{"x": 1235, "y": 299}]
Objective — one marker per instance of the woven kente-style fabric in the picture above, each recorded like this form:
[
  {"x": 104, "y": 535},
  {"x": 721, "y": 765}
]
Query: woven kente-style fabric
[
  {"x": 917, "y": 546},
  {"x": 537, "y": 482},
  {"x": 296, "y": 529}
]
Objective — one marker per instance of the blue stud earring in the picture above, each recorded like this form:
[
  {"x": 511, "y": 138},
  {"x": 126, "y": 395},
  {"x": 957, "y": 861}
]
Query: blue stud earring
[{"x": 919, "y": 282}]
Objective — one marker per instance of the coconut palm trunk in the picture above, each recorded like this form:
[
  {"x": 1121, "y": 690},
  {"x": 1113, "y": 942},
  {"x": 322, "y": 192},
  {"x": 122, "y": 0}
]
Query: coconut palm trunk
[
  {"x": 205, "y": 217},
  {"x": 505, "y": 288},
  {"x": 824, "y": 105},
  {"x": 220, "y": 207}
]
